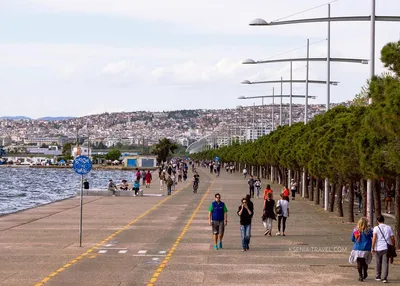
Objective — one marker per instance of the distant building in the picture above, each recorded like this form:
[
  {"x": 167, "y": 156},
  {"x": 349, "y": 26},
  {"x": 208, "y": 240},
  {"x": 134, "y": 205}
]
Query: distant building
[
  {"x": 51, "y": 150},
  {"x": 80, "y": 150},
  {"x": 140, "y": 161},
  {"x": 39, "y": 141}
]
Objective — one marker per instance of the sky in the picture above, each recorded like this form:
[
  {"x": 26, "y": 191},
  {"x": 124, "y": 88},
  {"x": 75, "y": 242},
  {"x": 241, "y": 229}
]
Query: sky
[{"x": 81, "y": 57}]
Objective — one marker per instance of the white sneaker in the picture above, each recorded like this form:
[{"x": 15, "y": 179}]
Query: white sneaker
[{"x": 278, "y": 234}]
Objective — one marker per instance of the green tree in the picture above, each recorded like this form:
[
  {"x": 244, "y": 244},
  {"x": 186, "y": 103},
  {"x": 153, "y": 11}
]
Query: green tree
[
  {"x": 390, "y": 57},
  {"x": 66, "y": 150},
  {"x": 163, "y": 149},
  {"x": 113, "y": 155}
]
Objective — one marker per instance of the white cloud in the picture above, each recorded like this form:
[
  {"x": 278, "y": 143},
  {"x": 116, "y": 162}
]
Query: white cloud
[{"x": 227, "y": 16}]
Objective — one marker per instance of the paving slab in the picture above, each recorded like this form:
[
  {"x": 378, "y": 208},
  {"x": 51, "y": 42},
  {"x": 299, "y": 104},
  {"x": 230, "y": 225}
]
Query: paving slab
[{"x": 167, "y": 241}]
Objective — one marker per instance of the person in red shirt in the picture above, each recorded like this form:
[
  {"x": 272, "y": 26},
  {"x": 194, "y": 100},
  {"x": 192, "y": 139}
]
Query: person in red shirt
[
  {"x": 148, "y": 179},
  {"x": 267, "y": 191},
  {"x": 285, "y": 192}
]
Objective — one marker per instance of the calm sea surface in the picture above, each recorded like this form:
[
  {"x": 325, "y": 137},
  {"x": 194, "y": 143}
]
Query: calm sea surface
[{"x": 22, "y": 188}]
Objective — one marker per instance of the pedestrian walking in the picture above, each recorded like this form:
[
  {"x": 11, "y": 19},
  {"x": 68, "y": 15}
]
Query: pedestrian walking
[
  {"x": 267, "y": 191},
  {"x": 245, "y": 214},
  {"x": 218, "y": 219},
  {"x": 257, "y": 185},
  {"x": 382, "y": 240},
  {"x": 269, "y": 214},
  {"x": 293, "y": 188},
  {"x": 282, "y": 209},
  {"x": 149, "y": 178},
  {"x": 251, "y": 208},
  {"x": 143, "y": 176},
  {"x": 170, "y": 183},
  {"x": 388, "y": 199},
  {"x": 162, "y": 180},
  {"x": 245, "y": 173},
  {"x": 251, "y": 182},
  {"x": 361, "y": 253}
]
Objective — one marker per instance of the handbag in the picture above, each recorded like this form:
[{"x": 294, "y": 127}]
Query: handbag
[
  {"x": 391, "y": 250},
  {"x": 279, "y": 208}
]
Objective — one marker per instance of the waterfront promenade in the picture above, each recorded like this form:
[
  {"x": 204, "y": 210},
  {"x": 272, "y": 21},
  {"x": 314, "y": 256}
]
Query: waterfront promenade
[{"x": 167, "y": 241}]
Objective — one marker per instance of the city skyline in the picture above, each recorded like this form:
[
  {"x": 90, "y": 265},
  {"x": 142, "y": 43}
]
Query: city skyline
[{"x": 76, "y": 58}]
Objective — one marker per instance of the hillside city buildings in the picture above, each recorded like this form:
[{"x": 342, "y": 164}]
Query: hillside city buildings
[{"x": 146, "y": 128}]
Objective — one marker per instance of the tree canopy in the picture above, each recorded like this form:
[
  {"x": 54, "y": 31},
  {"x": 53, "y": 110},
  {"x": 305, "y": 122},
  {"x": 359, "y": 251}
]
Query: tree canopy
[{"x": 163, "y": 149}]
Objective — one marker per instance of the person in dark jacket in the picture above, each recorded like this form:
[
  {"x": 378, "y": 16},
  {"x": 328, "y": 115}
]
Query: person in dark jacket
[
  {"x": 251, "y": 208},
  {"x": 269, "y": 214},
  {"x": 245, "y": 221}
]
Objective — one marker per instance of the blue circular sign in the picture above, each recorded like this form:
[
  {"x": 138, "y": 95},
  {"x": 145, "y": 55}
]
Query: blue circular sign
[{"x": 82, "y": 165}]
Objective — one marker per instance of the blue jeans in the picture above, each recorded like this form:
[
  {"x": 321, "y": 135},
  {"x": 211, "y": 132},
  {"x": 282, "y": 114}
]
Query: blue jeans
[
  {"x": 169, "y": 188},
  {"x": 245, "y": 234}
]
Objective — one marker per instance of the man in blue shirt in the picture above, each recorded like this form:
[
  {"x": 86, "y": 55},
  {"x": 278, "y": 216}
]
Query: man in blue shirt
[{"x": 218, "y": 219}]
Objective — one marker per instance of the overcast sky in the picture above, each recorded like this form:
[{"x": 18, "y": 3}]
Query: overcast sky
[{"x": 79, "y": 57}]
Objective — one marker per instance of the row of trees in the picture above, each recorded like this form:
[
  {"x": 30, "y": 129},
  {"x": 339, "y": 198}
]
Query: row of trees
[{"x": 345, "y": 145}]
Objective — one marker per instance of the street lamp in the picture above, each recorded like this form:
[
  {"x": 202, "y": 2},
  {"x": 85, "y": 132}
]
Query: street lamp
[
  {"x": 273, "y": 96},
  {"x": 335, "y": 83},
  {"x": 328, "y": 59},
  {"x": 373, "y": 18}
]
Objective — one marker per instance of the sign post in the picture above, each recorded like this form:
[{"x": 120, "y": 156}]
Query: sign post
[{"x": 82, "y": 166}]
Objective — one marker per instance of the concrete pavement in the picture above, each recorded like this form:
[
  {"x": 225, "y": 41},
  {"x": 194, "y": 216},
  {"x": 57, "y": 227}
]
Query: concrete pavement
[{"x": 167, "y": 241}]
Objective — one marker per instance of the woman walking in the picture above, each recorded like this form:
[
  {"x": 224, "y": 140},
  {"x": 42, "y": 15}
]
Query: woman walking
[
  {"x": 361, "y": 253},
  {"x": 257, "y": 184},
  {"x": 269, "y": 214},
  {"x": 245, "y": 213},
  {"x": 282, "y": 209}
]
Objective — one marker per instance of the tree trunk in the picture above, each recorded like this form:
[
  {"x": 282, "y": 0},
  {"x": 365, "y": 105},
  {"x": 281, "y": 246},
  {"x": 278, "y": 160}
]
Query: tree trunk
[
  {"x": 279, "y": 174},
  {"x": 397, "y": 212},
  {"x": 363, "y": 186},
  {"x": 306, "y": 185},
  {"x": 351, "y": 202},
  {"x": 332, "y": 198},
  {"x": 317, "y": 193},
  {"x": 311, "y": 189},
  {"x": 377, "y": 197},
  {"x": 339, "y": 199}
]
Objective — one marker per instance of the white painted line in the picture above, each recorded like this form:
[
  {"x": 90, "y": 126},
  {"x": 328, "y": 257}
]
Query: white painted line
[
  {"x": 142, "y": 251},
  {"x": 102, "y": 251},
  {"x": 162, "y": 252},
  {"x": 108, "y": 245},
  {"x": 123, "y": 251},
  {"x": 141, "y": 255},
  {"x": 155, "y": 258},
  {"x": 113, "y": 248}
]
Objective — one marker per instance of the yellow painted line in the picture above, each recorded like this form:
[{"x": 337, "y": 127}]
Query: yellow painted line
[
  {"x": 176, "y": 243},
  {"x": 75, "y": 260}
]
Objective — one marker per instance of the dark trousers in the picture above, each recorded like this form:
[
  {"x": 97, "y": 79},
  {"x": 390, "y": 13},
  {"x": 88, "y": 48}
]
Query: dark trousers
[
  {"x": 251, "y": 191},
  {"x": 362, "y": 267},
  {"x": 294, "y": 193},
  {"x": 282, "y": 218}
]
